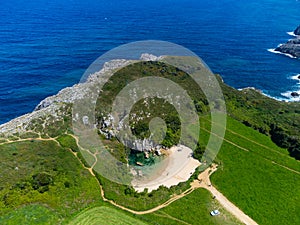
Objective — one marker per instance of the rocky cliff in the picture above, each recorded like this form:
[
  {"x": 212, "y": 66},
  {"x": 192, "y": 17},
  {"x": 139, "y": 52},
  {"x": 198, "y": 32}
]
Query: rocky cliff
[
  {"x": 54, "y": 105},
  {"x": 291, "y": 47}
]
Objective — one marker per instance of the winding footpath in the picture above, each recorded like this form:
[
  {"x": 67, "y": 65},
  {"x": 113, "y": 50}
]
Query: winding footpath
[{"x": 204, "y": 182}]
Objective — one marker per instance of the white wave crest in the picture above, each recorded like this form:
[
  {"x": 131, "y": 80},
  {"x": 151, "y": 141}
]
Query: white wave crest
[
  {"x": 289, "y": 96},
  {"x": 296, "y": 77},
  {"x": 291, "y": 33},
  {"x": 277, "y": 52}
]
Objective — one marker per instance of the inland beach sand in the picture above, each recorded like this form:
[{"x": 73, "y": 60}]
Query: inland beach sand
[{"x": 178, "y": 166}]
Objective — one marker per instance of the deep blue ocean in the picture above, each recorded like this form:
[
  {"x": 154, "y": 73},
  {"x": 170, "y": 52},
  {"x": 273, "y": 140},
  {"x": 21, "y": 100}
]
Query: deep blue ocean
[{"x": 47, "y": 45}]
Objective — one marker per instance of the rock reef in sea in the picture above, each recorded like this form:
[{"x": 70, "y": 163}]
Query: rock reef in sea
[
  {"x": 297, "y": 30},
  {"x": 292, "y": 47}
]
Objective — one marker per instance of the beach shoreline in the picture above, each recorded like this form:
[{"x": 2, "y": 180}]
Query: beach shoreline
[{"x": 177, "y": 167}]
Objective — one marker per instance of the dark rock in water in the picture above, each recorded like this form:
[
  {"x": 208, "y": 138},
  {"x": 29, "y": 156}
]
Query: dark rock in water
[
  {"x": 295, "y": 94},
  {"x": 297, "y": 31},
  {"x": 292, "y": 47},
  {"x": 299, "y": 77}
]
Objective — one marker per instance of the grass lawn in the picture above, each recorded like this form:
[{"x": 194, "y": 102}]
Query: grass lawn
[
  {"x": 192, "y": 209},
  {"x": 267, "y": 192},
  {"x": 104, "y": 215},
  {"x": 42, "y": 172},
  {"x": 30, "y": 215}
]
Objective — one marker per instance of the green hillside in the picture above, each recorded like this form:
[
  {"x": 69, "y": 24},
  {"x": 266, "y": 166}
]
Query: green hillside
[
  {"x": 44, "y": 181},
  {"x": 104, "y": 215},
  {"x": 259, "y": 177},
  {"x": 192, "y": 209}
]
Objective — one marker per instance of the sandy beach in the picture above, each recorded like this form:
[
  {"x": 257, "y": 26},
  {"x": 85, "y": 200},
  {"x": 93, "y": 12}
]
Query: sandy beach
[{"x": 178, "y": 166}]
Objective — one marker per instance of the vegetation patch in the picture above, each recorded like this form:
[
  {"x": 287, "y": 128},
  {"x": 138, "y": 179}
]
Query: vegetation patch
[
  {"x": 258, "y": 176},
  {"x": 253, "y": 180},
  {"x": 68, "y": 141},
  {"x": 104, "y": 215},
  {"x": 280, "y": 120},
  {"x": 126, "y": 196},
  {"x": 30, "y": 215},
  {"x": 45, "y": 173},
  {"x": 192, "y": 209}
]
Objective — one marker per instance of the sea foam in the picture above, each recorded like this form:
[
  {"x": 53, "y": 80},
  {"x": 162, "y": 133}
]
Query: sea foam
[
  {"x": 291, "y": 33},
  {"x": 277, "y": 52},
  {"x": 289, "y": 97},
  {"x": 296, "y": 77}
]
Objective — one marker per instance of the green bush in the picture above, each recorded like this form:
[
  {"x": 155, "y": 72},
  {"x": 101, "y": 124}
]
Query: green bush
[{"x": 68, "y": 141}]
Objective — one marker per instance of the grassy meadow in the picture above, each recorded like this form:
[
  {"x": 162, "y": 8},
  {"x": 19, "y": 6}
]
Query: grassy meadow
[
  {"x": 258, "y": 176},
  {"x": 104, "y": 215},
  {"x": 44, "y": 173}
]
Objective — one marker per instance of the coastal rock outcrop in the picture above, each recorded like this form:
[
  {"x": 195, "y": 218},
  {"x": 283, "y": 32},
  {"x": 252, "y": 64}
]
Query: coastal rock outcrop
[
  {"x": 79, "y": 91},
  {"x": 53, "y": 105},
  {"x": 297, "y": 30},
  {"x": 292, "y": 47}
]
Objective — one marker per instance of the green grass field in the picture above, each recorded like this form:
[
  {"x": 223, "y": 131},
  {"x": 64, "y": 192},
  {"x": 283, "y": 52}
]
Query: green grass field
[
  {"x": 266, "y": 191},
  {"x": 42, "y": 172},
  {"x": 104, "y": 215},
  {"x": 30, "y": 215},
  {"x": 43, "y": 182},
  {"x": 248, "y": 176},
  {"x": 192, "y": 209}
]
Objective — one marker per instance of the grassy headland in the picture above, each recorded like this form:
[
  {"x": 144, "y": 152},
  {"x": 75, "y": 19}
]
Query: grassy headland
[{"x": 42, "y": 171}]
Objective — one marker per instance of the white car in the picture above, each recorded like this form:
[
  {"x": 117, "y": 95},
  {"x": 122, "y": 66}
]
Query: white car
[{"x": 215, "y": 212}]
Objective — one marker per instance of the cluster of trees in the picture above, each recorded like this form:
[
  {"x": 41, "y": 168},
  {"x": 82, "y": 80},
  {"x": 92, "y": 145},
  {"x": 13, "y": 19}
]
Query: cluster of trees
[
  {"x": 279, "y": 120},
  {"x": 41, "y": 182},
  {"x": 156, "y": 107},
  {"x": 281, "y": 137}
]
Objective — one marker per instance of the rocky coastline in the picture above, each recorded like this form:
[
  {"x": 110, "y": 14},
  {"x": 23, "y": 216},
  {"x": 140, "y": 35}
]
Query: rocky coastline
[
  {"x": 291, "y": 47},
  {"x": 54, "y": 105}
]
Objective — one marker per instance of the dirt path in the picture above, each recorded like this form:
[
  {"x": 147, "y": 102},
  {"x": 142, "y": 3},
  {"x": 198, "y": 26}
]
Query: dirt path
[
  {"x": 204, "y": 182},
  {"x": 163, "y": 205},
  {"x": 28, "y": 139}
]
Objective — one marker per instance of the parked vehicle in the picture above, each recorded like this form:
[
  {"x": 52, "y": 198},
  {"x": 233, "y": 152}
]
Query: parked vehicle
[{"x": 215, "y": 212}]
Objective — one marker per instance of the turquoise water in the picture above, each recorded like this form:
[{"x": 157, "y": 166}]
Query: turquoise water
[{"x": 135, "y": 157}]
